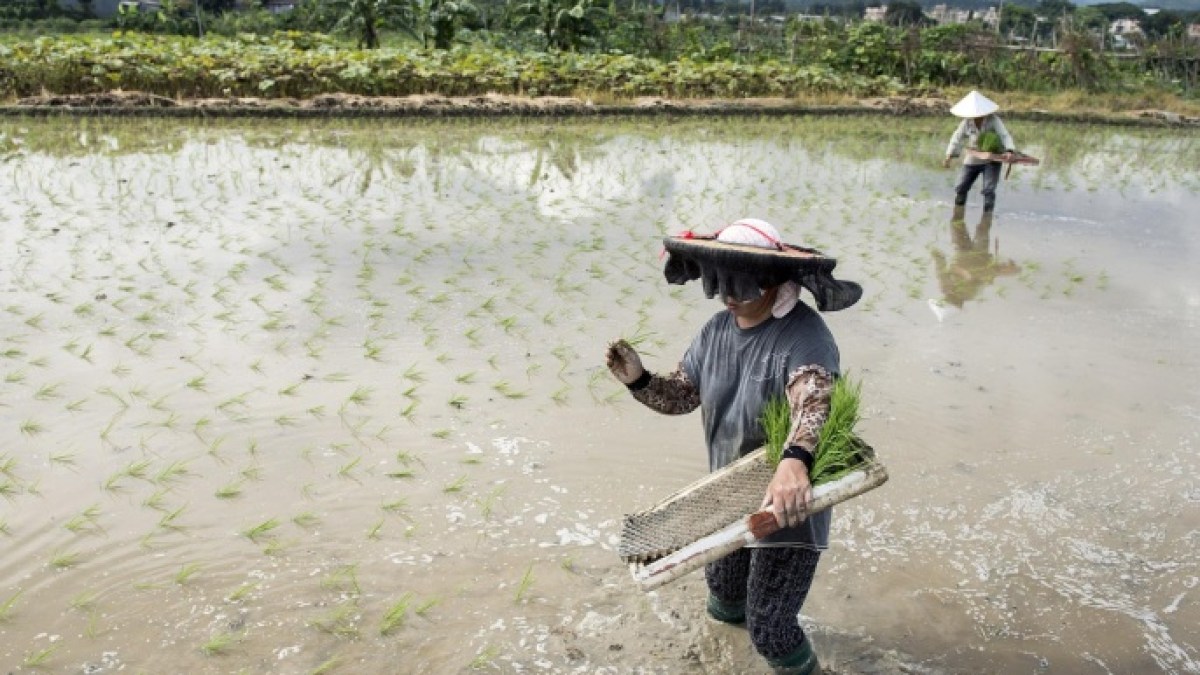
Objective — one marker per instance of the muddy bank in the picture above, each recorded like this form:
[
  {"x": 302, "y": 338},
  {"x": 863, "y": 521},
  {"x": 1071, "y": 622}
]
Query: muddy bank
[{"x": 132, "y": 103}]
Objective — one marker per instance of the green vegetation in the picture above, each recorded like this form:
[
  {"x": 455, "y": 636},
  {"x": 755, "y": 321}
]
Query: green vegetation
[
  {"x": 8, "y": 606},
  {"x": 776, "y": 422},
  {"x": 219, "y": 644},
  {"x": 395, "y": 616},
  {"x": 839, "y": 451},
  {"x": 989, "y": 141},
  {"x": 552, "y": 47},
  {"x": 38, "y": 658},
  {"x": 525, "y": 584}
]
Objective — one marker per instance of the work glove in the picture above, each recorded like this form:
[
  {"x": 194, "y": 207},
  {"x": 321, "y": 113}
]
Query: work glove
[{"x": 623, "y": 362}]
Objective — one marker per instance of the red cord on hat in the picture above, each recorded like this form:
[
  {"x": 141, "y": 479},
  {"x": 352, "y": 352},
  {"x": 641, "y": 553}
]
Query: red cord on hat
[{"x": 686, "y": 234}]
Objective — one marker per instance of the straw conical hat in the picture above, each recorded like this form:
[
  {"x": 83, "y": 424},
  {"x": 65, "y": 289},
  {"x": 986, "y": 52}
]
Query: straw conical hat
[{"x": 974, "y": 104}]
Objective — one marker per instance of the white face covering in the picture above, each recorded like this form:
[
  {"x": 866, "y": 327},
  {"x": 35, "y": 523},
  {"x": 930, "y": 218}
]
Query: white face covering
[{"x": 760, "y": 233}]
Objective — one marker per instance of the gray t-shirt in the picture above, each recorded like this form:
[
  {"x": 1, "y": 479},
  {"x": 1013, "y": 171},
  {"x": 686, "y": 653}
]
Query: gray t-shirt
[{"x": 737, "y": 371}]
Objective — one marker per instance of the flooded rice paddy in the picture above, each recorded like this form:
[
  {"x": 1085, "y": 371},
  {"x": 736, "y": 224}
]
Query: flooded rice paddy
[{"x": 328, "y": 397}]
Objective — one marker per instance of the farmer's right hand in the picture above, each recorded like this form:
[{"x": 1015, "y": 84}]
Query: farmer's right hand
[
  {"x": 946, "y": 163},
  {"x": 623, "y": 362}
]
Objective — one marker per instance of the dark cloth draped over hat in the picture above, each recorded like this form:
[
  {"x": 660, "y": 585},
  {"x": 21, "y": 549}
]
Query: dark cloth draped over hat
[{"x": 742, "y": 272}]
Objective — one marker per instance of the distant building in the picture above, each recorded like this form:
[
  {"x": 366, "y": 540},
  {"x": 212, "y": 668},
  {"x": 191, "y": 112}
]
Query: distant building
[
  {"x": 108, "y": 8},
  {"x": 140, "y": 5},
  {"x": 1194, "y": 31},
  {"x": 991, "y": 18},
  {"x": 943, "y": 14},
  {"x": 279, "y": 6},
  {"x": 1125, "y": 27},
  {"x": 875, "y": 13}
]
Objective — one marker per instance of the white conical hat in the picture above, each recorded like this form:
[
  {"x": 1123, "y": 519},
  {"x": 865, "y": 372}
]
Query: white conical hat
[{"x": 974, "y": 104}]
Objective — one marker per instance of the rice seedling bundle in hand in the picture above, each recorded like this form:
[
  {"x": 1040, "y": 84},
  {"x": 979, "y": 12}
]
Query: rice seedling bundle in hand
[
  {"x": 708, "y": 519},
  {"x": 989, "y": 141},
  {"x": 839, "y": 451}
]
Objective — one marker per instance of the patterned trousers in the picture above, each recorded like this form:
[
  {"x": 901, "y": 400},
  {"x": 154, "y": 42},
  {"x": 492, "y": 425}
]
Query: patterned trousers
[{"x": 771, "y": 585}]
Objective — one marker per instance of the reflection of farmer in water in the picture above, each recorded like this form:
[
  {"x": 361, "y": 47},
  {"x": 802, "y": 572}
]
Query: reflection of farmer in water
[
  {"x": 988, "y": 146},
  {"x": 973, "y": 265}
]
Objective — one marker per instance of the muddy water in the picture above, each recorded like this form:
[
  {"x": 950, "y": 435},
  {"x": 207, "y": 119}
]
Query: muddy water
[{"x": 285, "y": 398}]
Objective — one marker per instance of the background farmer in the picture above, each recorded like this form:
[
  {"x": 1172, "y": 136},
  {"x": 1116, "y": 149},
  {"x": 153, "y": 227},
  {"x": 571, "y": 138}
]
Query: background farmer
[
  {"x": 765, "y": 344},
  {"x": 980, "y": 130}
]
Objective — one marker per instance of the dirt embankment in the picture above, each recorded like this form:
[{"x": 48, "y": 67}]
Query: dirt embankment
[{"x": 432, "y": 105}]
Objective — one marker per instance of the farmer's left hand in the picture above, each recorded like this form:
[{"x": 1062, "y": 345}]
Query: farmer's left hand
[
  {"x": 623, "y": 362},
  {"x": 790, "y": 493}
]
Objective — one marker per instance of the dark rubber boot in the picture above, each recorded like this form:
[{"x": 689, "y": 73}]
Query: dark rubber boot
[
  {"x": 725, "y": 613},
  {"x": 803, "y": 661}
]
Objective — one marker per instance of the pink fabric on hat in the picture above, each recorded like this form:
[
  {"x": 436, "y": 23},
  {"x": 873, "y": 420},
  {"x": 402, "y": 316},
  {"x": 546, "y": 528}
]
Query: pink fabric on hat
[{"x": 760, "y": 233}]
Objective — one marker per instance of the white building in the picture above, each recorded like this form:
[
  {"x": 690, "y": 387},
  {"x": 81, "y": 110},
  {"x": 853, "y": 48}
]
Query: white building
[
  {"x": 943, "y": 14},
  {"x": 991, "y": 18},
  {"x": 875, "y": 13},
  {"x": 1125, "y": 27}
]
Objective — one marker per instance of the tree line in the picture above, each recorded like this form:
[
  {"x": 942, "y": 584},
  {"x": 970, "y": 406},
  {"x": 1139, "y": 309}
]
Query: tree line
[
  {"x": 903, "y": 47},
  {"x": 564, "y": 23}
]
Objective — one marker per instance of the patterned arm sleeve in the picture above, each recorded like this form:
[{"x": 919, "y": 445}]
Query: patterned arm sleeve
[
  {"x": 672, "y": 394},
  {"x": 809, "y": 390}
]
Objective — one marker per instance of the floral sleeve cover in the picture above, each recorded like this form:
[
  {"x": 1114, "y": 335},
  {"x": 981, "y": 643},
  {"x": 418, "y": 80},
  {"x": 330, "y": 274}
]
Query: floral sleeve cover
[
  {"x": 809, "y": 390},
  {"x": 672, "y": 394}
]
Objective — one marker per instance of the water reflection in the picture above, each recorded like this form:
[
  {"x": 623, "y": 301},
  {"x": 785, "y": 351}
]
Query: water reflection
[{"x": 974, "y": 264}]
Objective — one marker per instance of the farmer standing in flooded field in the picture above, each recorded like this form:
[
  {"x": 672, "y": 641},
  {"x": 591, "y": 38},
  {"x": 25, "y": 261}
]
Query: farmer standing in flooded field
[
  {"x": 764, "y": 345},
  {"x": 980, "y": 131}
]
